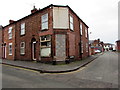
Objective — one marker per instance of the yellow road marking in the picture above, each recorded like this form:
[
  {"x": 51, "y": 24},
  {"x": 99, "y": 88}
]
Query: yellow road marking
[
  {"x": 47, "y": 73},
  {"x": 21, "y": 68},
  {"x": 66, "y": 72}
]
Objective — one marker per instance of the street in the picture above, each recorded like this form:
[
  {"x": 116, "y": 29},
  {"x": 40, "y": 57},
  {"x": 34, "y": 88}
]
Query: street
[{"x": 100, "y": 73}]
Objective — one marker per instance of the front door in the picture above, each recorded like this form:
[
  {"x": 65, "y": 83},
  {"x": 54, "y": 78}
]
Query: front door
[
  {"x": 4, "y": 51},
  {"x": 34, "y": 50}
]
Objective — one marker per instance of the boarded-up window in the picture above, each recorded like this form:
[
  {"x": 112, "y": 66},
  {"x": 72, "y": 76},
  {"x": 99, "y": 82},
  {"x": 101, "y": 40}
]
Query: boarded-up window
[
  {"x": 60, "y": 18},
  {"x": 45, "y": 52},
  {"x": 60, "y": 46}
]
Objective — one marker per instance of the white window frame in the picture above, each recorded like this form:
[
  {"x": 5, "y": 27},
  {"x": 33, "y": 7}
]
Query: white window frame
[
  {"x": 22, "y": 49},
  {"x": 43, "y": 48},
  {"x": 10, "y": 49},
  {"x": 86, "y": 47},
  {"x": 81, "y": 30},
  {"x": 10, "y": 32},
  {"x": 82, "y": 47},
  {"x": 44, "y": 21},
  {"x": 71, "y": 23},
  {"x": 86, "y": 32},
  {"x": 22, "y": 29}
]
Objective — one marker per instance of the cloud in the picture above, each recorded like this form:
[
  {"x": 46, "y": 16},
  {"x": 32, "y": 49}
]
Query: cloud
[{"x": 100, "y": 15}]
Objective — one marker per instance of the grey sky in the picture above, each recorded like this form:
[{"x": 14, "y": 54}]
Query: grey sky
[{"x": 100, "y": 15}]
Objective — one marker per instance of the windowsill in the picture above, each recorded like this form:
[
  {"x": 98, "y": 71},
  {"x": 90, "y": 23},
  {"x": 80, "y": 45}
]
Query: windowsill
[
  {"x": 45, "y": 47},
  {"x": 42, "y": 30},
  {"x": 22, "y": 35},
  {"x": 45, "y": 56},
  {"x": 22, "y": 54},
  {"x": 10, "y": 38},
  {"x": 71, "y": 30},
  {"x": 46, "y": 41}
]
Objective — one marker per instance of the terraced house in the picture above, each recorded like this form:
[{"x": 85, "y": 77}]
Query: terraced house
[{"x": 52, "y": 33}]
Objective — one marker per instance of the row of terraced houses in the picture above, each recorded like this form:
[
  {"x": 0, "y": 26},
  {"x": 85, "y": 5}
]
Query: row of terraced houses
[{"x": 52, "y": 33}]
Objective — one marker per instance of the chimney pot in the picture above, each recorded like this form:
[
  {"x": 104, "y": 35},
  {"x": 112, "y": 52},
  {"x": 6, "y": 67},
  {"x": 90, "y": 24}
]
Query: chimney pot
[{"x": 34, "y": 10}]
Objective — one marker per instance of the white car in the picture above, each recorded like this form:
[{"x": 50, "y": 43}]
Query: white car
[{"x": 97, "y": 51}]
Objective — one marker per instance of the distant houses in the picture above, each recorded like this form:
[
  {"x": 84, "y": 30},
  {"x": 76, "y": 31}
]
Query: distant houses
[
  {"x": 108, "y": 46},
  {"x": 97, "y": 46}
]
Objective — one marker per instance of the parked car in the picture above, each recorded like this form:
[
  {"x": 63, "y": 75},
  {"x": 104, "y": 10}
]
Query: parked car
[{"x": 97, "y": 51}]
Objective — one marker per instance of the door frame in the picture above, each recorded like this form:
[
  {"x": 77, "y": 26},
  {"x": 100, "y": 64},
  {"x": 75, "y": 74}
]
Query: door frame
[
  {"x": 33, "y": 50},
  {"x": 4, "y": 51}
]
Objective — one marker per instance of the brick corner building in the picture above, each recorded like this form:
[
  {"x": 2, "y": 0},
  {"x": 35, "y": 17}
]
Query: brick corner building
[{"x": 52, "y": 33}]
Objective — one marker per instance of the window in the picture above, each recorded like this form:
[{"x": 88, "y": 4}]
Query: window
[
  {"x": 22, "y": 48},
  {"x": 10, "y": 48},
  {"x": 81, "y": 46},
  {"x": 81, "y": 28},
  {"x": 45, "y": 46},
  {"x": 71, "y": 23},
  {"x": 22, "y": 29},
  {"x": 86, "y": 32},
  {"x": 44, "y": 21},
  {"x": 86, "y": 47},
  {"x": 10, "y": 33}
]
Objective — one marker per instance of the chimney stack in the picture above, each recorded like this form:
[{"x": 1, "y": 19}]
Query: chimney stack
[
  {"x": 98, "y": 40},
  {"x": 34, "y": 10},
  {"x": 1, "y": 27},
  {"x": 11, "y": 21}
]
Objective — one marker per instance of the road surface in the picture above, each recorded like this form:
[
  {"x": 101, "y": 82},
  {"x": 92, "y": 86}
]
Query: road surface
[{"x": 100, "y": 73}]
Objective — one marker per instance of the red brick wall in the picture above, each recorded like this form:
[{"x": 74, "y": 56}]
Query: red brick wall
[
  {"x": 7, "y": 41},
  {"x": 71, "y": 44},
  {"x": 118, "y": 45},
  {"x": 32, "y": 27},
  {"x": 85, "y": 40},
  {"x": 32, "y": 30},
  {"x": 0, "y": 43},
  {"x": 78, "y": 39}
]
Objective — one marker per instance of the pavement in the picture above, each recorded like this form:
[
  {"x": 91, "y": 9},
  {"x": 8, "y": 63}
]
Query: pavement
[{"x": 49, "y": 68}]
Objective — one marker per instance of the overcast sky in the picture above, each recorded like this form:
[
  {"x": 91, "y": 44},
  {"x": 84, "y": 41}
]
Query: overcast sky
[{"x": 100, "y": 15}]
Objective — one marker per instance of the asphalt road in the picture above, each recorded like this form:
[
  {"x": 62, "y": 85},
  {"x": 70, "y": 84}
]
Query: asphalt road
[{"x": 101, "y": 73}]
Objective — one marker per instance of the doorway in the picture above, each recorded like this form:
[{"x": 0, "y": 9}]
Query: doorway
[
  {"x": 4, "y": 51},
  {"x": 33, "y": 48}
]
